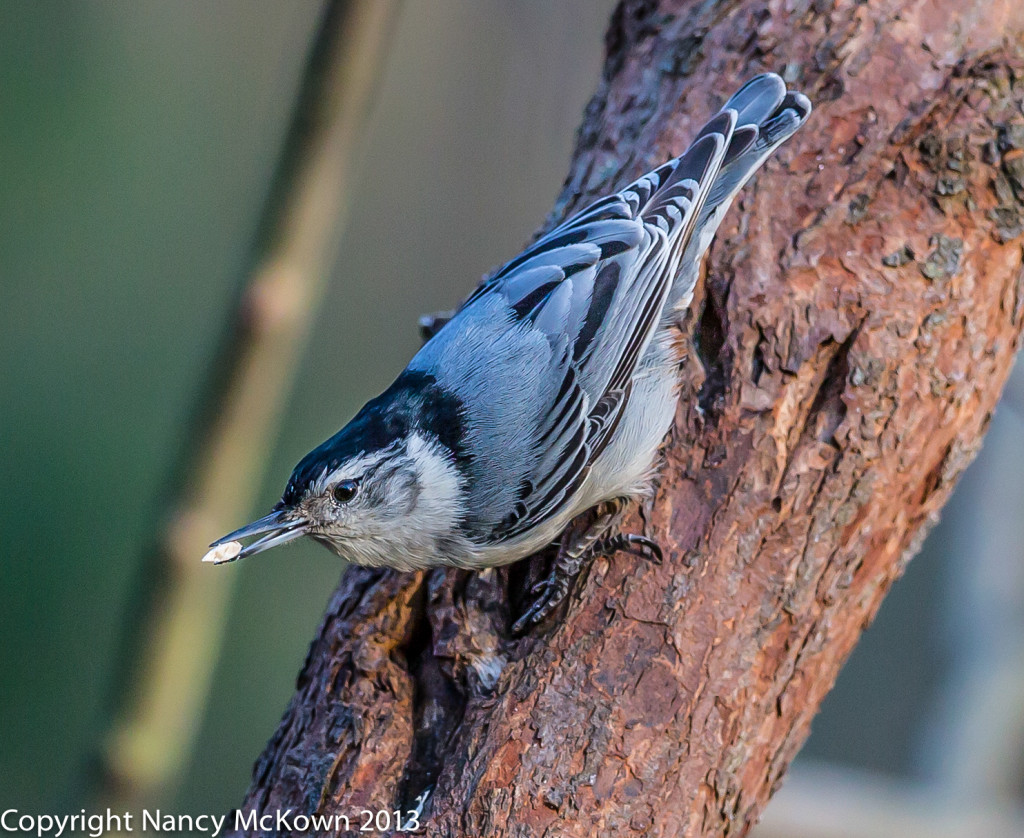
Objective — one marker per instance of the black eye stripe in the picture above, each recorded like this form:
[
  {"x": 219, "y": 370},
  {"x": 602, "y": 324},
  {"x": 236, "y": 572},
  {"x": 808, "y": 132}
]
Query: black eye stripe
[{"x": 345, "y": 490}]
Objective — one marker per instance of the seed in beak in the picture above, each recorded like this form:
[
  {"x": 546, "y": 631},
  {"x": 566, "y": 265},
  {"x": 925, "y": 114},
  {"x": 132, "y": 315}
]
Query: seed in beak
[{"x": 223, "y": 552}]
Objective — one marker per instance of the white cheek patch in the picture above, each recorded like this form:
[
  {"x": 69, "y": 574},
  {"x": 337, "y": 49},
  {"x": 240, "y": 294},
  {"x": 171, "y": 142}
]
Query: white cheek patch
[
  {"x": 440, "y": 499},
  {"x": 416, "y": 505}
]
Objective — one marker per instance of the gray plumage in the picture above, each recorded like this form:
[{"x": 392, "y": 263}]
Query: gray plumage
[{"x": 552, "y": 386}]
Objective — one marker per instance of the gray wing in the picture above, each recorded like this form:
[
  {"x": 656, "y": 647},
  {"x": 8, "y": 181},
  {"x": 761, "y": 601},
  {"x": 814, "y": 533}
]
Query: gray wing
[{"x": 594, "y": 288}]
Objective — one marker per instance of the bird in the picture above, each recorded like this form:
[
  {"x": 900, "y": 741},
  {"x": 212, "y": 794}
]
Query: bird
[{"x": 546, "y": 395}]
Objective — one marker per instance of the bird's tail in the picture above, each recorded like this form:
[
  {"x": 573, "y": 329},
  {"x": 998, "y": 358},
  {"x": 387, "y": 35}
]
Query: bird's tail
[{"x": 766, "y": 115}]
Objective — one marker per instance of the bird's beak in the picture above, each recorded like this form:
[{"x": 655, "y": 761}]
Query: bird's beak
[{"x": 276, "y": 528}]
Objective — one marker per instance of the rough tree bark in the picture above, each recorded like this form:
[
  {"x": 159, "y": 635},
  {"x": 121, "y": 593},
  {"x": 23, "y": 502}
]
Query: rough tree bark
[{"x": 862, "y": 310}]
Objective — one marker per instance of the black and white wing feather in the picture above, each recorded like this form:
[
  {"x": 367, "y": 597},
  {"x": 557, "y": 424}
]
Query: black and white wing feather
[
  {"x": 595, "y": 287},
  {"x": 584, "y": 303}
]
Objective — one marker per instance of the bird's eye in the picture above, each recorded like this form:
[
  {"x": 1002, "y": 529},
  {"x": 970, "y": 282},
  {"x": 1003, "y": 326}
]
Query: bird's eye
[{"x": 344, "y": 491}]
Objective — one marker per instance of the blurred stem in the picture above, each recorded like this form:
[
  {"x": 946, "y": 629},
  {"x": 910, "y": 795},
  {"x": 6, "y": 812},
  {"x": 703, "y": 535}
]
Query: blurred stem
[{"x": 170, "y": 668}]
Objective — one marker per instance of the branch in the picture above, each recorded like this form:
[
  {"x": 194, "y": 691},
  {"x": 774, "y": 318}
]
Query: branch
[{"x": 862, "y": 312}]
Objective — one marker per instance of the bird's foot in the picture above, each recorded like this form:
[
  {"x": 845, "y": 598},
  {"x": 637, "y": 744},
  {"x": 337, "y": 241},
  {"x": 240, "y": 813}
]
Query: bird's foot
[
  {"x": 575, "y": 549},
  {"x": 549, "y": 592},
  {"x": 637, "y": 545}
]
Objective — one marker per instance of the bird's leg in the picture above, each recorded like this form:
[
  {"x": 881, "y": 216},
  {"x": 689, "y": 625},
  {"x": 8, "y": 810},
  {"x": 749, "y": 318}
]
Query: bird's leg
[
  {"x": 572, "y": 552},
  {"x": 577, "y": 547},
  {"x": 430, "y": 324}
]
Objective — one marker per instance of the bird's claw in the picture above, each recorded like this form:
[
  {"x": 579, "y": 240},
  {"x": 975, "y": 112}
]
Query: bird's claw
[
  {"x": 538, "y": 587},
  {"x": 637, "y": 545},
  {"x": 552, "y": 590}
]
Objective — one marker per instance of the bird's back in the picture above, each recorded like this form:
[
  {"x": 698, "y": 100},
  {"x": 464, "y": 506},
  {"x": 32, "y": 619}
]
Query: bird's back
[{"x": 542, "y": 357}]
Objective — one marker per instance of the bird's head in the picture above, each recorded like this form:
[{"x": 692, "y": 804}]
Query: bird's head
[{"x": 381, "y": 491}]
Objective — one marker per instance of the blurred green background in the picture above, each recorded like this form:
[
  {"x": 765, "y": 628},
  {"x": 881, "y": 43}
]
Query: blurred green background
[{"x": 138, "y": 141}]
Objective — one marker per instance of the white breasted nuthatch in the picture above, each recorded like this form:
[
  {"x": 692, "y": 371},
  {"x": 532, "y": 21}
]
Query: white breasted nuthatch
[{"x": 546, "y": 394}]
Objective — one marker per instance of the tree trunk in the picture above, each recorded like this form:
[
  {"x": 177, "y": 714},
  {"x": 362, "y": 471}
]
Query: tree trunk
[{"x": 862, "y": 310}]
